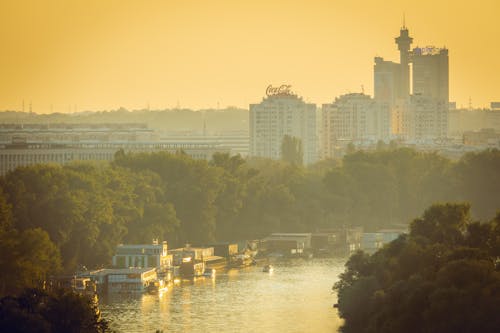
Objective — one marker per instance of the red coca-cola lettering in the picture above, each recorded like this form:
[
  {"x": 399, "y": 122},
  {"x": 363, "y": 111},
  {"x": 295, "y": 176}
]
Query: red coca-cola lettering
[{"x": 284, "y": 89}]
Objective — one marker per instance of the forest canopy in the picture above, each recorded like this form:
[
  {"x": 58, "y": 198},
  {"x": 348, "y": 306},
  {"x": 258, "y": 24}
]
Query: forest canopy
[
  {"x": 444, "y": 276},
  {"x": 79, "y": 212}
]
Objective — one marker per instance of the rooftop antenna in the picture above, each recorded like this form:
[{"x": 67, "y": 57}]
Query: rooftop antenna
[
  {"x": 363, "y": 89},
  {"x": 470, "y": 103},
  {"x": 404, "y": 20},
  {"x": 203, "y": 116}
]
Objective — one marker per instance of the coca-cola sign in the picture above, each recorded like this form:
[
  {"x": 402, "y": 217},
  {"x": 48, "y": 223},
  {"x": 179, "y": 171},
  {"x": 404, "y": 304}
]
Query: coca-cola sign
[{"x": 283, "y": 90}]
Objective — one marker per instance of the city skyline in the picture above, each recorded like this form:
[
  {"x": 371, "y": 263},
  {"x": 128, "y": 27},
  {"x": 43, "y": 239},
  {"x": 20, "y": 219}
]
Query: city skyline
[{"x": 96, "y": 55}]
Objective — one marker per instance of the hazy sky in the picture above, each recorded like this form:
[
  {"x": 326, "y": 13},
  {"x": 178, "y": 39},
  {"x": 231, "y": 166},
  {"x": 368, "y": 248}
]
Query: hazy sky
[{"x": 103, "y": 54}]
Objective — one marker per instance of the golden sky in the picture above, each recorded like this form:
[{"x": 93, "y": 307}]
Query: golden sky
[{"x": 103, "y": 54}]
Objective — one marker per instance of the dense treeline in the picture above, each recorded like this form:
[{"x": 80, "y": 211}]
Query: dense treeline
[
  {"x": 36, "y": 311},
  {"x": 444, "y": 276},
  {"x": 79, "y": 212},
  {"x": 393, "y": 186}
]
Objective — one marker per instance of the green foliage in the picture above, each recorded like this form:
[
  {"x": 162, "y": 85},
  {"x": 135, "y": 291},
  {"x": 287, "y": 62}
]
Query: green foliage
[
  {"x": 27, "y": 258},
  {"x": 5, "y": 213},
  {"x": 35, "y": 311},
  {"x": 387, "y": 187},
  {"x": 88, "y": 208},
  {"x": 190, "y": 185},
  {"x": 292, "y": 150},
  {"x": 477, "y": 180},
  {"x": 442, "y": 277}
]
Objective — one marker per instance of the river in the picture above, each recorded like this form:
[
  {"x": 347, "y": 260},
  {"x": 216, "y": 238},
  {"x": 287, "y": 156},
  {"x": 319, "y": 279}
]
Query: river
[{"x": 295, "y": 297}]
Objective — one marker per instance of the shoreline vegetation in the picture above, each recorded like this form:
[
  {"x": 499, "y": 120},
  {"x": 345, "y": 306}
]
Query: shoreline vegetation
[
  {"x": 444, "y": 276},
  {"x": 38, "y": 311},
  {"x": 78, "y": 213},
  {"x": 56, "y": 219}
]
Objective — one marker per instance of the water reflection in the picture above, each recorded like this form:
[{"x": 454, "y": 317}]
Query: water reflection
[{"x": 296, "y": 297}]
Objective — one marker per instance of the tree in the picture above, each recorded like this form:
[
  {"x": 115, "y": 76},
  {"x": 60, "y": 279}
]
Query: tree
[
  {"x": 291, "y": 150},
  {"x": 88, "y": 208},
  {"x": 27, "y": 259},
  {"x": 351, "y": 148},
  {"x": 5, "y": 213},
  {"x": 442, "y": 277},
  {"x": 35, "y": 311}
]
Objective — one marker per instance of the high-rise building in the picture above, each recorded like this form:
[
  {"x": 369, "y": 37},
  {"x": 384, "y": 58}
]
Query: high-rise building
[
  {"x": 282, "y": 113},
  {"x": 387, "y": 81},
  {"x": 404, "y": 41},
  {"x": 430, "y": 100},
  {"x": 353, "y": 118},
  {"x": 430, "y": 73},
  {"x": 429, "y": 119},
  {"x": 423, "y": 114}
]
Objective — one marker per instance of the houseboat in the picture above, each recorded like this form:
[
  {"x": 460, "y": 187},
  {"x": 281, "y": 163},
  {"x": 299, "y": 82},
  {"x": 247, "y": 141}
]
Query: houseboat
[{"x": 123, "y": 280}]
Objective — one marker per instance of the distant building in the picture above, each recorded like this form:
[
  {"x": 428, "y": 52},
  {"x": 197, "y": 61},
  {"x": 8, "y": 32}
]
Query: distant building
[
  {"x": 195, "y": 253},
  {"x": 123, "y": 280},
  {"x": 282, "y": 113},
  {"x": 422, "y": 114},
  {"x": 431, "y": 73},
  {"x": 79, "y": 132},
  {"x": 224, "y": 249},
  {"x": 429, "y": 103},
  {"x": 337, "y": 241},
  {"x": 429, "y": 119},
  {"x": 354, "y": 118},
  {"x": 373, "y": 241},
  {"x": 487, "y": 137},
  {"x": 287, "y": 243},
  {"x": 233, "y": 144},
  {"x": 193, "y": 261},
  {"x": 387, "y": 81},
  {"x": 142, "y": 255},
  {"x": 404, "y": 42},
  {"x": 22, "y": 145},
  {"x": 467, "y": 120}
]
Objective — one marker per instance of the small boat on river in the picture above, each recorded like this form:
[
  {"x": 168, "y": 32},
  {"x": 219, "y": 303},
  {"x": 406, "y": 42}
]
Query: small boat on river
[
  {"x": 157, "y": 287},
  {"x": 242, "y": 260},
  {"x": 268, "y": 269},
  {"x": 209, "y": 272}
]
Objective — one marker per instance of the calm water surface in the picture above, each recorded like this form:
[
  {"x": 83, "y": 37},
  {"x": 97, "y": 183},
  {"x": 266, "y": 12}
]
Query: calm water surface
[{"x": 296, "y": 297}]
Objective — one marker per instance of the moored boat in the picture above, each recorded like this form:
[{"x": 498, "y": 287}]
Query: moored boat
[
  {"x": 268, "y": 269},
  {"x": 241, "y": 260},
  {"x": 209, "y": 272},
  {"x": 157, "y": 287}
]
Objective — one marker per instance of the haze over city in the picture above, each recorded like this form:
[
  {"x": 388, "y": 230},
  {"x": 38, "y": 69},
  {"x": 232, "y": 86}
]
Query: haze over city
[
  {"x": 98, "y": 55},
  {"x": 250, "y": 166}
]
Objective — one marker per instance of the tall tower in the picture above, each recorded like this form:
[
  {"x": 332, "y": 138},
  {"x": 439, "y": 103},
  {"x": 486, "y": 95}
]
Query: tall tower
[
  {"x": 404, "y": 41},
  {"x": 431, "y": 73}
]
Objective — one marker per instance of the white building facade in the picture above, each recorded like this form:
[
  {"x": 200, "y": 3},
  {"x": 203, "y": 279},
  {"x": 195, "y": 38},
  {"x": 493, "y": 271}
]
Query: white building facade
[
  {"x": 24, "y": 146},
  {"x": 143, "y": 256},
  {"x": 354, "y": 118},
  {"x": 282, "y": 113}
]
